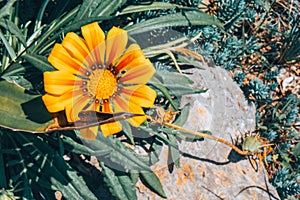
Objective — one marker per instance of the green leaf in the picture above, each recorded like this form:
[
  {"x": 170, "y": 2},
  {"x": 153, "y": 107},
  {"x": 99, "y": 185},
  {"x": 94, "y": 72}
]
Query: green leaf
[
  {"x": 52, "y": 29},
  {"x": 189, "y": 18},
  {"x": 119, "y": 183},
  {"x": 180, "y": 90},
  {"x": 40, "y": 15},
  {"x": 106, "y": 8},
  {"x": 155, "y": 150},
  {"x": 174, "y": 154},
  {"x": 16, "y": 73},
  {"x": 46, "y": 169},
  {"x": 152, "y": 181},
  {"x": 9, "y": 48},
  {"x": 20, "y": 110},
  {"x": 118, "y": 152},
  {"x": 152, "y": 6},
  {"x": 87, "y": 8},
  {"x": 127, "y": 131},
  {"x": 13, "y": 29},
  {"x": 6, "y": 10},
  {"x": 134, "y": 176},
  {"x": 165, "y": 93},
  {"x": 184, "y": 114},
  {"x": 190, "y": 61},
  {"x": 75, "y": 147},
  {"x": 40, "y": 62},
  {"x": 168, "y": 77},
  {"x": 177, "y": 84}
]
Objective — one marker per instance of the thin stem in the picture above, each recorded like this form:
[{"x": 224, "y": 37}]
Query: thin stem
[{"x": 207, "y": 137}]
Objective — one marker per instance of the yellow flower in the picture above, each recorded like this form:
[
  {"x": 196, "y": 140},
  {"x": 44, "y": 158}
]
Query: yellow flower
[{"x": 99, "y": 73}]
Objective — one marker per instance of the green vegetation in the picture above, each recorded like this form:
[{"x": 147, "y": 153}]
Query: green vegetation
[{"x": 256, "y": 40}]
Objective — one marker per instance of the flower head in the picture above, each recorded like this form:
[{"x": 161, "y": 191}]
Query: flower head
[{"x": 99, "y": 73}]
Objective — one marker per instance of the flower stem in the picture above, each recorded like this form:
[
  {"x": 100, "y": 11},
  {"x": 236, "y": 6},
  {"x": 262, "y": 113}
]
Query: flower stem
[{"x": 206, "y": 136}]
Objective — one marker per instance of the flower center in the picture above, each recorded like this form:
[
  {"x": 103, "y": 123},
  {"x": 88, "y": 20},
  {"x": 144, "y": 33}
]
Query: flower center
[{"x": 102, "y": 84}]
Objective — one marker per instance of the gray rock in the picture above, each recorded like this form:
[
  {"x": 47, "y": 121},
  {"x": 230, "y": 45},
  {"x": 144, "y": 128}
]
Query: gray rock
[{"x": 209, "y": 169}]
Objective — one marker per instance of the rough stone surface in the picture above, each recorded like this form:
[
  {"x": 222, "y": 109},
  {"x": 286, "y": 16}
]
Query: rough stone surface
[{"x": 210, "y": 170}]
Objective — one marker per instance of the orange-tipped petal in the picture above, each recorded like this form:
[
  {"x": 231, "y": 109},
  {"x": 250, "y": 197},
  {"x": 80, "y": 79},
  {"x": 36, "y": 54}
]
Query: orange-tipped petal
[
  {"x": 141, "y": 95},
  {"x": 89, "y": 133},
  {"x": 139, "y": 74},
  {"x": 133, "y": 56},
  {"x": 61, "y": 60},
  {"x": 94, "y": 37},
  {"x": 121, "y": 105},
  {"x": 59, "y": 82},
  {"x": 115, "y": 44},
  {"x": 57, "y": 103},
  {"x": 77, "y": 48}
]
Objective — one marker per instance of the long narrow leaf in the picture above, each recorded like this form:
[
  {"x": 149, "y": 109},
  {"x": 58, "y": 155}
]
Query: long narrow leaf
[
  {"x": 106, "y": 8},
  {"x": 6, "y": 9},
  {"x": 39, "y": 18},
  {"x": 189, "y": 18},
  {"x": 56, "y": 25},
  {"x": 119, "y": 184},
  {"x": 152, "y": 181},
  {"x": 118, "y": 151},
  {"x": 40, "y": 62},
  {"x": 9, "y": 49},
  {"x": 86, "y": 9},
  {"x": 13, "y": 29},
  {"x": 152, "y": 6},
  {"x": 57, "y": 171}
]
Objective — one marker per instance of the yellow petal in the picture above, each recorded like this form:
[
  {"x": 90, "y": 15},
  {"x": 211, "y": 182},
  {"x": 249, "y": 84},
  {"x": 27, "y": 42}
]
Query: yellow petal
[
  {"x": 141, "y": 95},
  {"x": 139, "y": 74},
  {"x": 89, "y": 133},
  {"x": 110, "y": 128},
  {"x": 133, "y": 56},
  {"x": 59, "y": 82},
  {"x": 57, "y": 103},
  {"x": 77, "y": 48},
  {"x": 115, "y": 44},
  {"x": 61, "y": 60},
  {"x": 94, "y": 37},
  {"x": 121, "y": 105},
  {"x": 78, "y": 104}
]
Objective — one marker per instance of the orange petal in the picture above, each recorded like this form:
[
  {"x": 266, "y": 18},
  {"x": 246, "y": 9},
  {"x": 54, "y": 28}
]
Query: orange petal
[
  {"x": 110, "y": 128},
  {"x": 59, "y": 82},
  {"x": 141, "y": 95},
  {"x": 115, "y": 44},
  {"x": 139, "y": 74},
  {"x": 61, "y": 60},
  {"x": 77, "y": 48},
  {"x": 94, "y": 37},
  {"x": 77, "y": 105},
  {"x": 58, "y": 103},
  {"x": 121, "y": 105},
  {"x": 89, "y": 133},
  {"x": 133, "y": 56}
]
